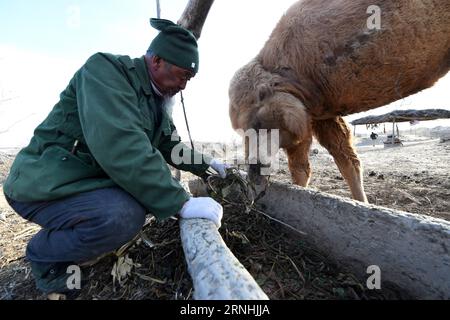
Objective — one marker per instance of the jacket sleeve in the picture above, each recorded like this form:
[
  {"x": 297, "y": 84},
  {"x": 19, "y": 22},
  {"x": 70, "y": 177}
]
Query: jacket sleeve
[
  {"x": 111, "y": 121},
  {"x": 181, "y": 157}
]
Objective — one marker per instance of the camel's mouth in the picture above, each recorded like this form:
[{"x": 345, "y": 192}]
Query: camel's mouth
[{"x": 255, "y": 176}]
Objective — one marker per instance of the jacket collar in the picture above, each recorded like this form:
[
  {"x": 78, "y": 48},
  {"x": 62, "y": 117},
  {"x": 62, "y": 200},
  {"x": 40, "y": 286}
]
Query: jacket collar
[
  {"x": 141, "y": 69},
  {"x": 155, "y": 89}
]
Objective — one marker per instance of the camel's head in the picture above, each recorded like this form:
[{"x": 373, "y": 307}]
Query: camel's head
[{"x": 266, "y": 115}]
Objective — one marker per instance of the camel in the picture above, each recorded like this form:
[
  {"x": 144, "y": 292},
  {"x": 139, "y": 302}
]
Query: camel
[{"x": 324, "y": 61}]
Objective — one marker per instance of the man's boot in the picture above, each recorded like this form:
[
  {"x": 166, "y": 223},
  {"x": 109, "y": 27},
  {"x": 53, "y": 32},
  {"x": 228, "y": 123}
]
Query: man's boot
[{"x": 53, "y": 278}]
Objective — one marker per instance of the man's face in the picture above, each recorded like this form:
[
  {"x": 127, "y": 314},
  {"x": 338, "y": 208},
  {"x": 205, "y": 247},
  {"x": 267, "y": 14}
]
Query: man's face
[{"x": 169, "y": 79}]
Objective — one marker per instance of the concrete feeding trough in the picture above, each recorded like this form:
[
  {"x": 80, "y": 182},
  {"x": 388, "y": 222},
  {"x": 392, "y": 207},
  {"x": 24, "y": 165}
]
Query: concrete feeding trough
[{"x": 411, "y": 251}]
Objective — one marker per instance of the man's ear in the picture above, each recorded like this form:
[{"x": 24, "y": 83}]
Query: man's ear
[{"x": 156, "y": 62}]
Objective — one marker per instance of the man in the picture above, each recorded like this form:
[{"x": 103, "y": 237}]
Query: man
[
  {"x": 98, "y": 164},
  {"x": 374, "y": 137}
]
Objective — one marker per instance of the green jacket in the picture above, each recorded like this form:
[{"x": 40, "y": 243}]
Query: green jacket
[{"x": 110, "y": 108}]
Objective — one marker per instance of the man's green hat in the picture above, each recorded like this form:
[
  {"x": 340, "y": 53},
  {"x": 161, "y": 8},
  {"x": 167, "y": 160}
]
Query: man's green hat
[{"x": 175, "y": 44}]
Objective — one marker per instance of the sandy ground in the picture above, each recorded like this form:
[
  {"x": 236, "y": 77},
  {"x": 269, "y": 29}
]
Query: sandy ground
[{"x": 413, "y": 178}]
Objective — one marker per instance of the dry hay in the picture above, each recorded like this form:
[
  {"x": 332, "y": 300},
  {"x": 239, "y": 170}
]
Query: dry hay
[
  {"x": 262, "y": 245},
  {"x": 284, "y": 266},
  {"x": 285, "y": 269}
]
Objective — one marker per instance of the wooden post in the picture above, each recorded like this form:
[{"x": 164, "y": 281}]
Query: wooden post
[
  {"x": 393, "y": 132},
  {"x": 158, "y": 9},
  {"x": 216, "y": 273},
  {"x": 194, "y": 16}
]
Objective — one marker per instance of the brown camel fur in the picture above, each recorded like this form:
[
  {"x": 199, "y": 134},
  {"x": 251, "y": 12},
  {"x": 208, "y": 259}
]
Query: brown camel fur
[{"x": 323, "y": 62}]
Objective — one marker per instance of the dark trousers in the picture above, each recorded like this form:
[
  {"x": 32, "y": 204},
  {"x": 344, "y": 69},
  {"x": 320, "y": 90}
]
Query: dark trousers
[{"x": 81, "y": 227}]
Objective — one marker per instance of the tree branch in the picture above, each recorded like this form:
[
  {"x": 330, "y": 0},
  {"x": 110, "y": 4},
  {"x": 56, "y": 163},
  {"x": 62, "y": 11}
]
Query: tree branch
[{"x": 194, "y": 16}]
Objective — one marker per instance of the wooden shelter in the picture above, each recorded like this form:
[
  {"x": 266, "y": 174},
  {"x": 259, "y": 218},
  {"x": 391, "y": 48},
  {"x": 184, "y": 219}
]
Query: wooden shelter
[{"x": 402, "y": 116}]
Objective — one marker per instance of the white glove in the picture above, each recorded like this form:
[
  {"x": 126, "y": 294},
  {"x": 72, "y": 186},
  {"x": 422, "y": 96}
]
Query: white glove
[
  {"x": 203, "y": 208},
  {"x": 220, "y": 167}
]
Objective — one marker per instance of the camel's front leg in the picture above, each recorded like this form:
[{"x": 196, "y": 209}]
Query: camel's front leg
[{"x": 335, "y": 135}]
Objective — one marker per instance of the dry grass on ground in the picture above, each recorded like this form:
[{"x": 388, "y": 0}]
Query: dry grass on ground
[{"x": 414, "y": 178}]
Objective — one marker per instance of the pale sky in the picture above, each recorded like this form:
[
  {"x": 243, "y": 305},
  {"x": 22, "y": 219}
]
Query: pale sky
[{"x": 43, "y": 43}]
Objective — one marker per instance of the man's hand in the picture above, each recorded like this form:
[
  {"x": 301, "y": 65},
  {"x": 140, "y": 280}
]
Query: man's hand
[
  {"x": 220, "y": 167},
  {"x": 203, "y": 208}
]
